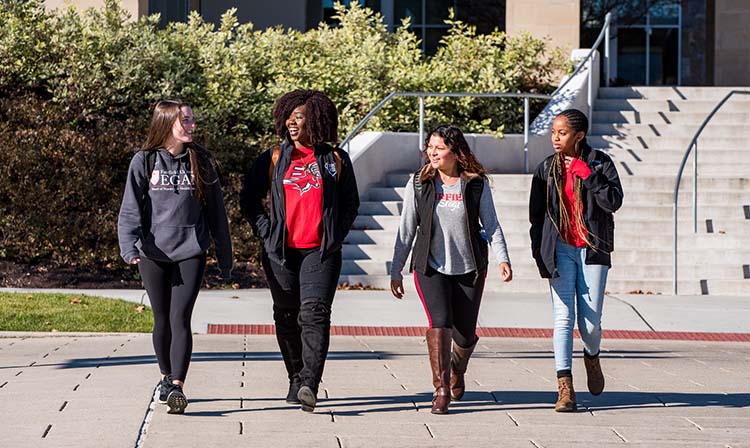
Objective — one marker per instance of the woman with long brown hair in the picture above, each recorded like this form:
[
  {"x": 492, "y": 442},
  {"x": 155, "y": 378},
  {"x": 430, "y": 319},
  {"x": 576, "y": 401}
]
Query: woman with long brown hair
[
  {"x": 574, "y": 193},
  {"x": 448, "y": 207},
  {"x": 172, "y": 207}
]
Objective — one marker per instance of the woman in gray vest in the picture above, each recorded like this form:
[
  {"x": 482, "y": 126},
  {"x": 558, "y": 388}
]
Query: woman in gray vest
[{"x": 448, "y": 207}]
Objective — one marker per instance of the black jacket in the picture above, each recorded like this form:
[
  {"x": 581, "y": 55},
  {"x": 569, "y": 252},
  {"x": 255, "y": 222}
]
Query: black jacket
[
  {"x": 340, "y": 200},
  {"x": 425, "y": 204},
  {"x": 601, "y": 196}
]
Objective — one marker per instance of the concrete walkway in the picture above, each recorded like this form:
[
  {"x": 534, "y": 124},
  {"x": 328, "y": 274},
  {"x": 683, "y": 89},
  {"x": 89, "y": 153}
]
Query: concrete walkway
[
  {"x": 95, "y": 390},
  {"x": 720, "y": 314}
]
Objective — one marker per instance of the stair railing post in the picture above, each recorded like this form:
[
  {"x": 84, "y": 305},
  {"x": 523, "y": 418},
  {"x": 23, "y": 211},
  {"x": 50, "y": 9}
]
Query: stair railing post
[
  {"x": 695, "y": 188},
  {"x": 590, "y": 91},
  {"x": 674, "y": 246},
  {"x": 606, "y": 48},
  {"x": 421, "y": 123},
  {"x": 526, "y": 135}
]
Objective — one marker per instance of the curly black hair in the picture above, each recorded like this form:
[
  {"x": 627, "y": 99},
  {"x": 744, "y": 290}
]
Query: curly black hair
[{"x": 321, "y": 117}]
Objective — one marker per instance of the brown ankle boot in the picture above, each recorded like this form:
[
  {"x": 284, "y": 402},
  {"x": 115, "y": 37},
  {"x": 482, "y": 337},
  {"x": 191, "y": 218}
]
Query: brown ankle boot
[
  {"x": 459, "y": 362},
  {"x": 566, "y": 396},
  {"x": 594, "y": 374},
  {"x": 439, "y": 347}
]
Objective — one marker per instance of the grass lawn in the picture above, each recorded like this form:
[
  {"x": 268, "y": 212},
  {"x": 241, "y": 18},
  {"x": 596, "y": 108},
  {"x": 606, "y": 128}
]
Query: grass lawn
[{"x": 71, "y": 312}]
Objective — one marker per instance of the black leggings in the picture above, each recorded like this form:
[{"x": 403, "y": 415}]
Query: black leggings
[
  {"x": 172, "y": 288},
  {"x": 302, "y": 292},
  {"x": 452, "y": 301}
]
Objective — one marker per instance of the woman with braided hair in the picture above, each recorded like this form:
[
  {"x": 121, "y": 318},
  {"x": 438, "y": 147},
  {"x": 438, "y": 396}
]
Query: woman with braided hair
[
  {"x": 313, "y": 203},
  {"x": 574, "y": 193}
]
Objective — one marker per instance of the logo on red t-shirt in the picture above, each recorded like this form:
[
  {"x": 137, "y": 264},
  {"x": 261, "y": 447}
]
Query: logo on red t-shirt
[{"x": 303, "y": 177}]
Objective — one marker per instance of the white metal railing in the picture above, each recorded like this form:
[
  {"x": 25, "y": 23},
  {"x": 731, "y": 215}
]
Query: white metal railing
[
  {"x": 422, "y": 95},
  {"x": 693, "y": 144},
  {"x": 588, "y": 61}
]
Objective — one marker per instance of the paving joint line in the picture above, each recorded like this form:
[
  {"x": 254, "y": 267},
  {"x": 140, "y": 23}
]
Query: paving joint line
[{"x": 146, "y": 422}]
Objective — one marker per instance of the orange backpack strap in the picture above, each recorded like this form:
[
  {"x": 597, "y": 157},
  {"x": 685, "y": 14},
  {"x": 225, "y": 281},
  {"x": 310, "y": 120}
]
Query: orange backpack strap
[
  {"x": 274, "y": 159},
  {"x": 337, "y": 158}
]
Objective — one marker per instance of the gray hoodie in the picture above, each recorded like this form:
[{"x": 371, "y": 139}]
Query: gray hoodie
[{"x": 168, "y": 224}]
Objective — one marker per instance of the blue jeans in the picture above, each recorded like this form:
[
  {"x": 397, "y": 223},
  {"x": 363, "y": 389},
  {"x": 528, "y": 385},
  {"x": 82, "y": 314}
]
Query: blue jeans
[{"x": 580, "y": 287}]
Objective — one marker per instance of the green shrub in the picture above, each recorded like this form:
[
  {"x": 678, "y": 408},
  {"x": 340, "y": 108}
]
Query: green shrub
[{"x": 76, "y": 89}]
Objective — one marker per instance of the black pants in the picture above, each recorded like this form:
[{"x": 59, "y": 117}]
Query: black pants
[
  {"x": 302, "y": 292},
  {"x": 172, "y": 288},
  {"x": 452, "y": 301}
]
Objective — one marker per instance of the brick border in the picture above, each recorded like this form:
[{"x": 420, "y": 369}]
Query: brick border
[{"x": 491, "y": 332}]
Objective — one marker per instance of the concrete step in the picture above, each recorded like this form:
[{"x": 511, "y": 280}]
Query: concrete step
[
  {"x": 669, "y": 105},
  {"x": 675, "y": 93},
  {"x": 713, "y": 130},
  {"x": 705, "y": 156},
  {"x": 623, "y": 255},
  {"x": 661, "y": 117},
  {"x": 652, "y": 141},
  {"x": 380, "y": 246},
  {"x": 704, "y": 169},
  {"x": 380, "y": 208},
  {"x": 731, "y": 196}
]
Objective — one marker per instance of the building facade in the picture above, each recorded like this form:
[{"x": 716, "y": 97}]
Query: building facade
[{"x": 653, "y": 42}]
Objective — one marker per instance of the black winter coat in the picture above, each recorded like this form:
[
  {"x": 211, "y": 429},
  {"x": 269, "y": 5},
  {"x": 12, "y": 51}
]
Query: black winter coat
[
  {"x": 601, "y": 195},
  {"x": 340, "y": 199}
]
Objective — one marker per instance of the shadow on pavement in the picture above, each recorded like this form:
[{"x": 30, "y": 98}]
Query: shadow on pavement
[{"x": 506, "y": 401}]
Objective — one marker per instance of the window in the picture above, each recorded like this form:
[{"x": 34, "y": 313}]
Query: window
[
  {"x": 170, "y": 10},
  {"x": 428, "y": 16},
  {"x": 329, "y": 12}
]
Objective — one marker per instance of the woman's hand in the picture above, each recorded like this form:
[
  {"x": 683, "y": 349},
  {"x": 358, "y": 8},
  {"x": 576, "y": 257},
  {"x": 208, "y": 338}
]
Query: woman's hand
[
  {"x": 135, "y": 260},
  {"x": 578, "y": 168},
  {"x": 397, "y": 288},
  {"x": 506, "y": 272}
]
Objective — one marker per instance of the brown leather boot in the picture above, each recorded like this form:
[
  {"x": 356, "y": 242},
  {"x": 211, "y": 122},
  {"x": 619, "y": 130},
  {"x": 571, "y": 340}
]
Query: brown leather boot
[
  {"x": 594, "y": 374},
  {"x": 566, "y": 396},
  {"x": 459, "y": 362},
  {"x": 439, "y": 347}
]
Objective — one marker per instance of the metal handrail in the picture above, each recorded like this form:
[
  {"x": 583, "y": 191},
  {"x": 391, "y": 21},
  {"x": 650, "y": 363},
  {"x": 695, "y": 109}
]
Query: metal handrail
[
  {"x": 422, "y": 95},
  {"x": 693, "y": 144},
  {"x": 603, "y": 34}
]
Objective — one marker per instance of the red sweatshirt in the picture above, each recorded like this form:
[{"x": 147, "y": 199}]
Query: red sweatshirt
[
  {"x": 303, "y": 191},
  {"x": 577, "y": 168}
]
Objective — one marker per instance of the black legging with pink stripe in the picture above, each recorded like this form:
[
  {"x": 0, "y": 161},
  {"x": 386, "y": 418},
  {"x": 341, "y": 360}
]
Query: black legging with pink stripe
[{"x": 452, "y": 301}]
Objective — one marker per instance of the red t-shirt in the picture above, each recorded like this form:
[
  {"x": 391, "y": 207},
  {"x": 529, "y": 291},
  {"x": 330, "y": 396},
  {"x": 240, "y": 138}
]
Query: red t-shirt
[
  {"x": 303, "y": 191},
  {"x": 573, "y": 237}
]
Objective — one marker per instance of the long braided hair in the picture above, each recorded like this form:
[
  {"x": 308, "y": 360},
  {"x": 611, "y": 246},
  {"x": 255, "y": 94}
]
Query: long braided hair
[
  {"x": 578, "y": 122},
  {"x": 454, "y": 139}
]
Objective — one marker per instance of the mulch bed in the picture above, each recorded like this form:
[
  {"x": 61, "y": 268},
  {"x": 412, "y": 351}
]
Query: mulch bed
[{"x": 54, "y": 275}]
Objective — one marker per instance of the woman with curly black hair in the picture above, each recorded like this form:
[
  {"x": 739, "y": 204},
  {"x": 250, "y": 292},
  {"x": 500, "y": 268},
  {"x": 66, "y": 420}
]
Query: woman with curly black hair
[
  {"x": 313, "y": 203},
  {"x": 448, "y": 208},
  {"x": 574, "y": 193}
]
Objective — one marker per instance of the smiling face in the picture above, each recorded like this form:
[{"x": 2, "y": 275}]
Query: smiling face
[
  {"x": 441, "y": 157},
  {"x": 183, "y": 126},
  {"x": 295, "y": 125},
  {"x": 564, "y": 138}
]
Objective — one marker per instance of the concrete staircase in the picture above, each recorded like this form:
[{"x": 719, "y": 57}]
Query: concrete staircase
[{"x": 646, "y": 132}]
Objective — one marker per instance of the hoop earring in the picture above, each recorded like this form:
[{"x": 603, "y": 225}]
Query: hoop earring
[{"x": 578, "y": 151}]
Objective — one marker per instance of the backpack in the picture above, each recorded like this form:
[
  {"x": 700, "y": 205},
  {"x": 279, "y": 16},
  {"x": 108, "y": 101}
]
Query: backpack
[{"x": 275, "y": 158}]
